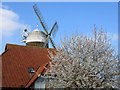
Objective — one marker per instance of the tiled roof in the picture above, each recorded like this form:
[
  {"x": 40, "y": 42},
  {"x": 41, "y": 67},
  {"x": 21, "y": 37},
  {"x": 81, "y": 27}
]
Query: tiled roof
[{"x": 15, "y": 62}]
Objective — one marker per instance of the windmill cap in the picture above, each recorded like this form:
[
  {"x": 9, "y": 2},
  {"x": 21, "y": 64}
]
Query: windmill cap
[{"x": 36, "y": 36}]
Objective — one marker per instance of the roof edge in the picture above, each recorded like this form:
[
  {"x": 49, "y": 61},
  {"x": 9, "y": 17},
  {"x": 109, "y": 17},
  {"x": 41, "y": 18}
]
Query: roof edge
[{"x": 9, "y": 45}]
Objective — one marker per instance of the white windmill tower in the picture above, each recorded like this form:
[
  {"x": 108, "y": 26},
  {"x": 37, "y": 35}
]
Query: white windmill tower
[{"x": 40, "y": 38}]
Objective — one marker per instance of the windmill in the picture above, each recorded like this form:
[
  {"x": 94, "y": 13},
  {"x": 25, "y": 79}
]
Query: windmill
[{"x": 53, "y": 30}]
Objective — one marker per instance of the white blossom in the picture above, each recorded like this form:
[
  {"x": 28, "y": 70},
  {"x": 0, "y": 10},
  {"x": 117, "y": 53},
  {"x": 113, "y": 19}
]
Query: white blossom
[{"x": 82, "y": 61}]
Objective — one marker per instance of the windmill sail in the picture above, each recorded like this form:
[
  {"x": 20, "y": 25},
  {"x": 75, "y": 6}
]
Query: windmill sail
[
  {"x": 54, "y": 29},
  {"x": 39, "y": 15},
  {"x": 53, "y": 44},
  {"x": 44, "y": 25}
]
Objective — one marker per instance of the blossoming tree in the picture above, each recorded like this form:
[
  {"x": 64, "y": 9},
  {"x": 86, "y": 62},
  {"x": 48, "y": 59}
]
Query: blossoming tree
[{"x": 84, "y": 62}]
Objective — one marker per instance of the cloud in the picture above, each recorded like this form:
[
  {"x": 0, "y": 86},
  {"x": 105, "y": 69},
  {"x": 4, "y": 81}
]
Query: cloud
[
  {"x": 113, "y": 36},
  {"x": 9, "y": 21}
]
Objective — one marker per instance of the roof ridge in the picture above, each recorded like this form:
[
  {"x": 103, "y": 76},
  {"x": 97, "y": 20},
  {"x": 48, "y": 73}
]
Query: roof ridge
[{"x": 8, "y": 45}]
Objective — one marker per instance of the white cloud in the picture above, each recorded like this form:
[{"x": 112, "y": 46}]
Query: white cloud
[
  {"x": 9, "y": 21},
  {"x": 113, "y": 36}
]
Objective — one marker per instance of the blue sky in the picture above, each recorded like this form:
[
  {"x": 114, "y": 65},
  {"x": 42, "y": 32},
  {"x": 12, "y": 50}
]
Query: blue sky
[{"x": 71, "y": 17}]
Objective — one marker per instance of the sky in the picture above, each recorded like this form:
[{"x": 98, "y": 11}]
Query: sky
[{"x": 71, "y": 17}]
